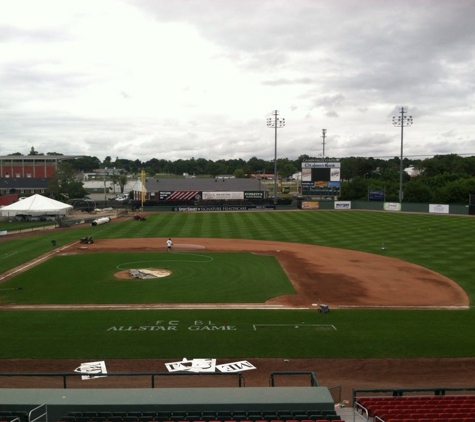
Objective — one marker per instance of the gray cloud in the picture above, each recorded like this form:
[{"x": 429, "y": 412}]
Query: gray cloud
[{"x": 155, "y": 78}]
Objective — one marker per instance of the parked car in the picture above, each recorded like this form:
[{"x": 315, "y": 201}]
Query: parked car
[{"x": 122, "y": 197}]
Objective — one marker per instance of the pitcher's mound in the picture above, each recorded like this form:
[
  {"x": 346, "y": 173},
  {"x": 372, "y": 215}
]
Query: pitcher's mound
[{"x": 143, "y": 273}]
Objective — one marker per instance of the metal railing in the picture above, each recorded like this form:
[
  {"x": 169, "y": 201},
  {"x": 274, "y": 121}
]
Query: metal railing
[
  {"x": 152, "y": 375},
  {"x": 313, "y": 377}
]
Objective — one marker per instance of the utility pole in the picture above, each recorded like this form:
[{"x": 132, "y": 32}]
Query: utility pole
[
  {"x": 402, "y": 121},
  {"x": 275, "y": 123}
]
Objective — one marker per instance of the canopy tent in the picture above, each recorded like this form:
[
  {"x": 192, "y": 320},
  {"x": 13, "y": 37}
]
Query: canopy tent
[{"x": 36, "y": 205}]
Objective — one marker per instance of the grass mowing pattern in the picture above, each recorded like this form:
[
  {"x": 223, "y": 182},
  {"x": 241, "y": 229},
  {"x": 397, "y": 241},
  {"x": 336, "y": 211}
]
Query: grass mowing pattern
[
  {"x": 231, "y": 334},
  {"x": 439, "y": 242},
  {"x": 195, "y": 278}
]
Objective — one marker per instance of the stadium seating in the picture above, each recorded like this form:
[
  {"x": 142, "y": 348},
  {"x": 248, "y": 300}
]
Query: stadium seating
[
  {"x": 417, "y": 408},
  {"x": 196, "y": 416}
]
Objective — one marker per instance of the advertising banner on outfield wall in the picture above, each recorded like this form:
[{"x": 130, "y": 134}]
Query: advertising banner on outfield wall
[
  {"x": 343, "y": 205},
  {"x": 250, "y": 194},
  {"x": 222, "y": 195},
  {"x": 392, "y": 206},
  {"x": 310, "y": 205},
  {"x": 438, "y": 208}
]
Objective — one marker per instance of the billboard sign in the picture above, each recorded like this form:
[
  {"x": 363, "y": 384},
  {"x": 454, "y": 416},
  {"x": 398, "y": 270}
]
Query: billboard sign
[
  {"x": 438, "y": 208},
  {"x": 222, "y": 195},
  {"x": 321, "y": 178},
  {"x": 376, "y": 194},
  {"x": 392, "y": 206}
]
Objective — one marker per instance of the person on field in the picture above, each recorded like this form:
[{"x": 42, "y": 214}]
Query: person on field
[{"x": 169, "y": 245}]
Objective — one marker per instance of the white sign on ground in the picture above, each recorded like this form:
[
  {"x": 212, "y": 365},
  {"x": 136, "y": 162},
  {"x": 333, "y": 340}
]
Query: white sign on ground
[
  {"x": 207, "y": 365},
  {"x": 91, "y": 369},
  {"x": 243, "y": 365},
  {"x": 192, "y": 365}
]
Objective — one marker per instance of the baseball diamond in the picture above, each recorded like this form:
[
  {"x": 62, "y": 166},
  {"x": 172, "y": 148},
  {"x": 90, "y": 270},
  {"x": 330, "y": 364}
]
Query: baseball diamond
[{"x": 342, "y": 279}]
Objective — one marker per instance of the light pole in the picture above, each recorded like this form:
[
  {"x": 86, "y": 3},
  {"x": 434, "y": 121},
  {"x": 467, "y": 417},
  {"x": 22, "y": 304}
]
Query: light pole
[
  {"x": 275, "y": 123},
  {"x": 105, "y": 180},
  {"x": 324, "y": 133},
  {"x": 402, "y": 121}
]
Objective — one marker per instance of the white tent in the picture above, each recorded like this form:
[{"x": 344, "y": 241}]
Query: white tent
[{"x": 36, "y": 205}]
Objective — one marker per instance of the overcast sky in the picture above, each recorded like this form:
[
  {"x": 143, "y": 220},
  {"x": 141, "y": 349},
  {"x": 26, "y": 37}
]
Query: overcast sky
[{"x": 142, "y": 79}]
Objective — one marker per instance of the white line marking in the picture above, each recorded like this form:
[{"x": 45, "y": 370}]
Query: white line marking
[
  {"x": 256, "y": 326},
  {"x": 33, "y": 263}
]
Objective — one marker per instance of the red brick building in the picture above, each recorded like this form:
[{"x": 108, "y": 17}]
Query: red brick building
[
  {"x": 30, "y": 166},
  {"x": 28, "y": 174}
]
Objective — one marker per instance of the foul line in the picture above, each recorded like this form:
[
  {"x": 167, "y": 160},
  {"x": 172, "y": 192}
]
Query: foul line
[{"x": 33, "y": 263}]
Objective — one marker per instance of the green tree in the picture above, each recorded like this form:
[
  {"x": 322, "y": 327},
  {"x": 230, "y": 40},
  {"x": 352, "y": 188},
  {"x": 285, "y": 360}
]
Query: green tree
[
  {"x": 239, "y": 174},
  {"x": 63, "y": 184},
  {"x": 122, "y": 181},
  {"x": 417, "y": 191},
  {"x": 456, "y": 192},
  {"x": 357, "y": 189},
  {"x": 75, "y": 190}
]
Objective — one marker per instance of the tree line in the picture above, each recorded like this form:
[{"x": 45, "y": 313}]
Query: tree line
[{"x": 448, "y": 178}]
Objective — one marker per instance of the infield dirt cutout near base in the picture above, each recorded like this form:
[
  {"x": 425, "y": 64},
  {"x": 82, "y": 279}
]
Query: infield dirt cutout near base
[{"x": 336, "y": 277}]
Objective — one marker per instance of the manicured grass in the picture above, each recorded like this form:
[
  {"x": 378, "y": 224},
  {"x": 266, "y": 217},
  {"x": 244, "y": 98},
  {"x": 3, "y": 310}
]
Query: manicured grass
[
  {"x": 194, "y": 278},
  {"x": 235, "y": 334},
  {"x": 442, "y": 243}
]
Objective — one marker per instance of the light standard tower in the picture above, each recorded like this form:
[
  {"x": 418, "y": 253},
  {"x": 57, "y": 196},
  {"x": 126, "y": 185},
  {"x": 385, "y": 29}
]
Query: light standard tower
[
  {"x": 324, "y": 134},
  {"x": 402, "y": 121},
  {"x": 275, "y": 123}
]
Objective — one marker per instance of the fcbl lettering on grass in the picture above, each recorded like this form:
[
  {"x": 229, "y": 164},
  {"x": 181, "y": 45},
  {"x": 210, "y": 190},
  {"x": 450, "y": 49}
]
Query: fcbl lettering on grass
[{"x": 174, "y": 326}]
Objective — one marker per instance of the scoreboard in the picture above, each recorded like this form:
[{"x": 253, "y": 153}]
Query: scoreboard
[{"x": 321, "y": 178}]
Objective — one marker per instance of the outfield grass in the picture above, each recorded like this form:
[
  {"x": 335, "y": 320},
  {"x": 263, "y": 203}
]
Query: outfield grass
[{"x": 440, "y": 242}]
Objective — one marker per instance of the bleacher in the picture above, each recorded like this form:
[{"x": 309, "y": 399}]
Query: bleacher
[
  {"x": 202, "y": 416},
  {"x": 421, "y": 408}
]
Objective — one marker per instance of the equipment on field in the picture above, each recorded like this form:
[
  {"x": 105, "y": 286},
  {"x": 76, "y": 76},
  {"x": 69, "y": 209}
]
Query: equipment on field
[
  {"x": 86, "y": 240},
  {"x": 99, "y": 221}
]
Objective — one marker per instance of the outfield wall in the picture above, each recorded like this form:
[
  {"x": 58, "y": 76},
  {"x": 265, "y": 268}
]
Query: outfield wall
[{"x": 455, "y": 209}]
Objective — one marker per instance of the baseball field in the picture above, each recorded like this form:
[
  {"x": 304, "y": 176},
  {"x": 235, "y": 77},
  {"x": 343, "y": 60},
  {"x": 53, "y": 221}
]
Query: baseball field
[{"x": 248, "y": 286}]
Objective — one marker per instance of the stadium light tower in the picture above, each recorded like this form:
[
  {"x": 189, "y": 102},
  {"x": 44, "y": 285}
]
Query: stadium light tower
[
  {"x": 275, "y": 123},
  {"x": 402, "y": 121},
  {"x": 324, "y": 134}
]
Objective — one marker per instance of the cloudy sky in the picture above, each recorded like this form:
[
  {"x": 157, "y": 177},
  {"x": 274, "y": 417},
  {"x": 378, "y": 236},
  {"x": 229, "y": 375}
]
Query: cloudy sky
[{"x": 165, "y": 79}]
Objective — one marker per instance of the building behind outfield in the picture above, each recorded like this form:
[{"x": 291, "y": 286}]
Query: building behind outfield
[{"x": 168, "y": 190}]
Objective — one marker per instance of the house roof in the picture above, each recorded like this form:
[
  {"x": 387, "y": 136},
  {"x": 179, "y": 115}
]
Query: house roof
[{"x": 38, "y": 157}]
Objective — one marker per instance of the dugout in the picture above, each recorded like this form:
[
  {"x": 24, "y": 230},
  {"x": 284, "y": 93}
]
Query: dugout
[{"x": 55, "y": 403}]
